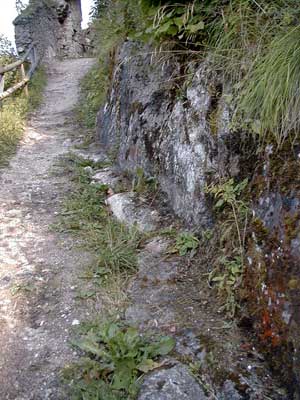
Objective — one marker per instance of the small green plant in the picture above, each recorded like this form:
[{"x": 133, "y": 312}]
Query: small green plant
[
  {"x": 115, "y": 359},
  {"x": 207, "y": 234},
  {"x": 233, "y": 271},
  {"x": 227, "y": 279},
  {"x": 13, "y": 113},
  {"x": 142, "y": 183},
  {"x": 86, "y": 205},
  {"x": 186, "y": 243},
  {"x": 238, "y": 37},
  {"x": 110, "y": 20},
  {"x": 228, "y": 273},
  {"x": 36, "y": 88},
  {"x": 12, "y": 124},
  {"x": 183, "y": 21},
  {"x": 21, "y": 288},
  {"x": 229, "y": 194},
  {"x": 93, "y": 93}
]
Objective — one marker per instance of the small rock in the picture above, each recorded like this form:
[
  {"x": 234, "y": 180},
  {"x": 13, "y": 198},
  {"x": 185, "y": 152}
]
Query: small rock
[
  {"x": 154, "y": 269},
  {"x": 175, "y": 383},
  {"x": 67, "y": 143},
  {"x": 137, "y": 315},
  {"x": 106, "y": 177},
  {"x": 97, "y": 157},
  {"x": 158, "y": 245},
  {"x": 88, "y": 170},
  {"x": 228, "y": 392},
  {"x": 126, "y": 209}
]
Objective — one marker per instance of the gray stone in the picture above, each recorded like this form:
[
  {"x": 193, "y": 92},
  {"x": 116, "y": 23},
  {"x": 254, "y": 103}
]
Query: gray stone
[
  {"x": 188, "y": 345},
  {"x": 158, "y": 245},
  {"x": 152, "y": 315},
  {"x": 153, "y": 291},
  {"x": 137, "y": 315},
  {"x": 126, "y": 209},
  {"x": 175, "y": 383},
  {"x": 106, "y": 177},
  {"x": 154, "y": 269},
  {"x": 88, "y": 170},
  {"x": 92, "y": 156},
  {"x": 229, "y": 392}
]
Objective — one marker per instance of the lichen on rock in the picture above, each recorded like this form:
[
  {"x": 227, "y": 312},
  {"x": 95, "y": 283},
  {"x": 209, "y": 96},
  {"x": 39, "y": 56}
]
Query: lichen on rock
[{"x": 167, "y": 133}]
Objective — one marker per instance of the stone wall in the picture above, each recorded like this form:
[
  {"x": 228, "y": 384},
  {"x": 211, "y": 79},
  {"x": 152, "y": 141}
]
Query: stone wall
[{"x": 55, "y": 25}]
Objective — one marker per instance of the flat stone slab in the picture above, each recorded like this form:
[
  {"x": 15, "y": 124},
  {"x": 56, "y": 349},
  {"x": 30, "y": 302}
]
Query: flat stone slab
[
  {"x": 153, "y": 290},
  {"x": 107, "y": 177},
  {"x": 175, "y": 383},
  {"x": 154, "y": 269},
  {"x": 125, "y": 207}
]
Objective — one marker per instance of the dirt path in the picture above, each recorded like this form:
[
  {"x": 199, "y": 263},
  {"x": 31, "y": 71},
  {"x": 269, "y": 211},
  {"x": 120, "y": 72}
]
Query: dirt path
[{"x": 38, "y": 267}]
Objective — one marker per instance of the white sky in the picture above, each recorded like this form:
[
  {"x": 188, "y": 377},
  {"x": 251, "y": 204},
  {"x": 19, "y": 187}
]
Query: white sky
[{"x": 8, "y": 14}]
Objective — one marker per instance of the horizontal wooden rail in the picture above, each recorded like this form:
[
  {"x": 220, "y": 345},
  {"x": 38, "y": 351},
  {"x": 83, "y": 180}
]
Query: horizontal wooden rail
[
  {"x": 31, "y": 55},
  {"x": 14, "y": 65}
]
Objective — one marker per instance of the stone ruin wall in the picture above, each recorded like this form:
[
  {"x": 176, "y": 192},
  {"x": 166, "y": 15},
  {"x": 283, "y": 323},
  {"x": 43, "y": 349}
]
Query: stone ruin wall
[{"x": 55, "y": 26}]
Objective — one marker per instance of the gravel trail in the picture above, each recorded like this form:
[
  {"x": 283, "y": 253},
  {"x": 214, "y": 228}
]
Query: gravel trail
[{"x": 39, "y": 268}]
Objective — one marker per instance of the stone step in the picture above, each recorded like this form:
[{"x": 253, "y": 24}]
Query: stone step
[{"x": 153, "y": 290}]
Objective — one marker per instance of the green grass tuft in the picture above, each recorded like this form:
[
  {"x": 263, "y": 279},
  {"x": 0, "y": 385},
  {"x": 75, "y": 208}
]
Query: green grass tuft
[
  {"x": 93, "y": 94},
  {"x": 110, "y": 31},
  {"x": 36, "y": 88},
  {"x": 238, "y": 37},
  {"x": 85, "y": 213},
  {"x": 12, "y": 123},
  {"x": 13, "y": 113},
  {"x": 271, "y": 91}
]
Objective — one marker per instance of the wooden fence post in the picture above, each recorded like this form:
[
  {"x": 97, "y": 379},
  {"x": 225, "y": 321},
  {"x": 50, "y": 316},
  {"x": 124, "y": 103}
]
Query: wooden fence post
[
  {"x": 23, "y": 76},
  {"x": 26, "y": 76},
  {"x": 1, "y": 83},
  {"x": 2, "y": 79}
]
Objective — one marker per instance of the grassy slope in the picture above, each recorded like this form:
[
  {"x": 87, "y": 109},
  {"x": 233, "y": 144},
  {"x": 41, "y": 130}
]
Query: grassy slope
[{"x": 14, "y": 112}]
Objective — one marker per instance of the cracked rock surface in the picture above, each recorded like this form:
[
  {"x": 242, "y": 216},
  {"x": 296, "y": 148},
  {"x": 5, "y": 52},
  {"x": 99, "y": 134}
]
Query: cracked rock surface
[{"x": 175, "y": 383}]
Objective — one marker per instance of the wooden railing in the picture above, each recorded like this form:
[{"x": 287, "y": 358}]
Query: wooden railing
[{"x": 31, "y": 57}]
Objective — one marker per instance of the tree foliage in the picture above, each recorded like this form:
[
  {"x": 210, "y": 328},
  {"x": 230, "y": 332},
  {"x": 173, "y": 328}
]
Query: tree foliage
[
  {"x": 6, "y": 47},
  {"x": 98, "y": 8},
  {"x": 20, "y": 6}
]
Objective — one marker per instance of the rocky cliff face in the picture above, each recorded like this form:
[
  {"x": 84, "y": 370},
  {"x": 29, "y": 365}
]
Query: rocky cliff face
[
  {"x": 178, "y": 130},
  {"x": 55, "y": 25},
  {"x": 272, "y": 273},
  {"x": 178, "y": 134}
]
